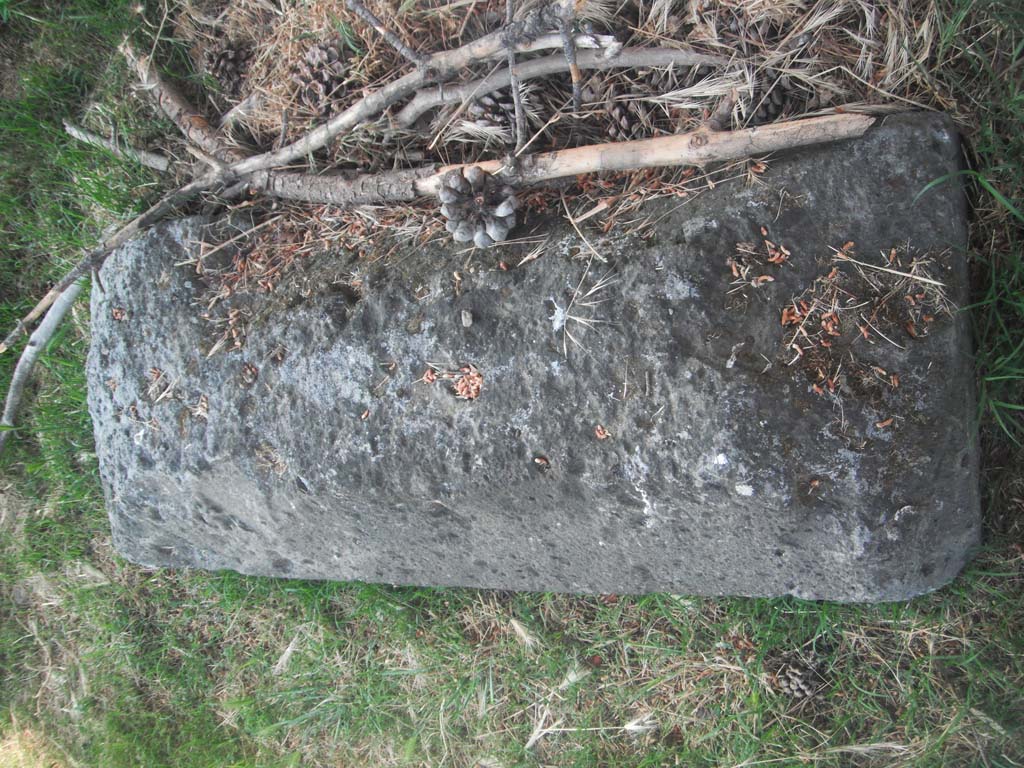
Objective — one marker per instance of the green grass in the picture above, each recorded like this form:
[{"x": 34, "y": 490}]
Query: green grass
[
  {"x": 988, "y": 77},
  {"x": 114, "y": 665}
]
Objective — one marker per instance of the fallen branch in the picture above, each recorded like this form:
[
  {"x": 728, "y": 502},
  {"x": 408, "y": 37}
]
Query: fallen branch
[
  {"x": 195, "y": 128},
  {"x": 27, "y": 361},
  {"x": 698, "y": 148},
  {"x": 142, "y": 157},
  {"x": 549, "y": 65}
]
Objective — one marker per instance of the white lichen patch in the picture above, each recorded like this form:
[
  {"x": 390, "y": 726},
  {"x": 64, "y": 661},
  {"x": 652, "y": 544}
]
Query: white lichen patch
[
  {"x": 680, "y": 289},
  {"x": 744, "y": 489},
  {"x": 558, "y": 317},
  {"x": 636, "y": 470},
  {"x": 732, "y": 356}
]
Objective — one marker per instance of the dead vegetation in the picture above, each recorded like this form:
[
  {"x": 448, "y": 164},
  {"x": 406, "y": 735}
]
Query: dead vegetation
[{"x": 831, "y": 329}]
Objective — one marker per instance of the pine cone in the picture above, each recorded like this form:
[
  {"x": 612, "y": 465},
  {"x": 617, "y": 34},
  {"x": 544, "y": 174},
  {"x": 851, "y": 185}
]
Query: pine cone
[
  {"x": 769, "y": 104},
  {"x": 320, "y": 77},
  {"x": 493, "y": 110},
  {"x": 797, "y": 678},
  {"x": 476, "y": 207},
  {"x": 492, "y": 117},
  {"x": 229, "y": 66},
  {"x": 623, "y": 118},
  {"x": 660, "y": 80}
]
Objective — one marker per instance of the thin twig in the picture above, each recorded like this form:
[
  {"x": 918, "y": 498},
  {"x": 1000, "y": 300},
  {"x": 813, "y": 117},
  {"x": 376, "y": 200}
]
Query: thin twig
[
  {"x": 517, "y": 96},
  {"x": 392, "y": 39},
  {"x": 569, "y": 216},
  {"x": 574, "y": 69},
  {"x": 30, "y": 354},
  {"x": 148, "y": 159},
  {"x": 566, "y": 22}
]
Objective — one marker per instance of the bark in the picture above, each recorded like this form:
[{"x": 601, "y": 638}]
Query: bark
[
  {"x": 393, "y": 186},
  {"x": 172, "y": 103}
]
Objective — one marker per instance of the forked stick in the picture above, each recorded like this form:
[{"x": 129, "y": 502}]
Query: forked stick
[
  {"x": 527, "y": 34},
  {"x": 140, "y": 156},
  {"x": 629, "y": 57},
  {"x": 27, "y": 361}
]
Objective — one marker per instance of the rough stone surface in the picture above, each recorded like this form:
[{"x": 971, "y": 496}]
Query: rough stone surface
[{"x": 720, "y": 474}]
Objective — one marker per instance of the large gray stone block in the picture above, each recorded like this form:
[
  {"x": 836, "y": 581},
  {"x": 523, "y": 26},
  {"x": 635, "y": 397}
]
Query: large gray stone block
[{"x": 725, "y": 470}]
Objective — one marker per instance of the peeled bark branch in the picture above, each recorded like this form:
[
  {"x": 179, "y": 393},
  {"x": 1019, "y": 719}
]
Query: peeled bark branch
[
  {"x": 30, "y": 354},
  {"x": 700, "y": 148},
  {"x": 629, "y": 57},
  {"x": 147, "y": 159},
  {"x": 172, "y": 103}
]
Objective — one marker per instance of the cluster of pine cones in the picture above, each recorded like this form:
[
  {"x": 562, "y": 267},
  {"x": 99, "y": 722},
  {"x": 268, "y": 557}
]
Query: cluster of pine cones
[
  {"x": 494, "y": 110},
  {"x": 477, "y": 208},
  {"x": 320, "y": 77},
  {"x": 796, "y": 677},
  {"x": 228, "y": 65},
  {"x": 773, "y": 96}
]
